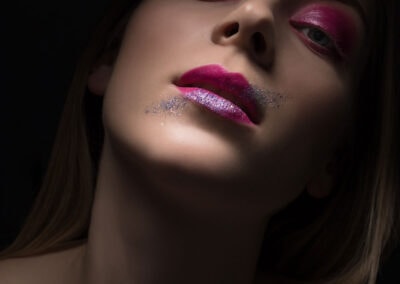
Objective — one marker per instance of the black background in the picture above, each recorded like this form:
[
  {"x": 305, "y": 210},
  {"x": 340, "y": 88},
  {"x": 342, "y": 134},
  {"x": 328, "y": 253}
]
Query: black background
[{"x": 40, "y": 44}]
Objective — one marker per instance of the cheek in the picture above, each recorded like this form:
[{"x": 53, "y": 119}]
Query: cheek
[
  {"x": 320, "y": 100},
  {"x": 303, "y": 133},
  {"x": 143, "y": 66},
  {"x": 157, "y": 29},
  {"x": 318, "y": 92},
  {"x": 147, "y": 36}
]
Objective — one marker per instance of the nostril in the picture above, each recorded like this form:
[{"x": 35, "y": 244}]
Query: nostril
[
  {"x": 231, "y": 30},
  {"x": 259, "y": 43}
]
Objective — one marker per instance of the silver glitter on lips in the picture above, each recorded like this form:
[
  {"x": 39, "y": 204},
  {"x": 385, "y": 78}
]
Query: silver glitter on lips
[
  {"x": 217, "y": 104},
  {"x": 174, "y": 106}
]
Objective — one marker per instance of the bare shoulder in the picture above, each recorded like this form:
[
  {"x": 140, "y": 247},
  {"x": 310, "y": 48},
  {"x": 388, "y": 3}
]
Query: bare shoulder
[{"x": 60, "y": 267}]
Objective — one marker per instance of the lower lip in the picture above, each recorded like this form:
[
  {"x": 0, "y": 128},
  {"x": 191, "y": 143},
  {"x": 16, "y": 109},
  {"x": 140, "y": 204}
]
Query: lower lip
[{"x": 216, "y": 104}]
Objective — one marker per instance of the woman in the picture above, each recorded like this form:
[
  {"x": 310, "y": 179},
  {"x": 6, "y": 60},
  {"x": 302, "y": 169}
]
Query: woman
[{"x": 243, "y": 141}]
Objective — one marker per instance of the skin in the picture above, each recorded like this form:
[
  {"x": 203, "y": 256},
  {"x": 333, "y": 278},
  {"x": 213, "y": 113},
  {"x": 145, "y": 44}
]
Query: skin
[{"x": 186, "y": 198}]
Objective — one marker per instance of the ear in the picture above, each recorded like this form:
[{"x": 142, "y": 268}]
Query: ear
[
  {"x": 321, "y": 185},
  {"x": 99, "y": 78}
]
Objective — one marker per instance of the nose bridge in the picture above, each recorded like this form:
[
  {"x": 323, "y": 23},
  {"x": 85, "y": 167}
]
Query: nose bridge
[
  {"x": 254, "y": 12},
  {"x": 248, "y": 26}
]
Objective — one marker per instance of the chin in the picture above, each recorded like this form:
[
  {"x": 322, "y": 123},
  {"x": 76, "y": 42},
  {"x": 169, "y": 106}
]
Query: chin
[{"x": 178, "y": 147}]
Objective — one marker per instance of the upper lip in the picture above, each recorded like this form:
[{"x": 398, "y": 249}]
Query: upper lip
[{"x": 231, "y": 86}]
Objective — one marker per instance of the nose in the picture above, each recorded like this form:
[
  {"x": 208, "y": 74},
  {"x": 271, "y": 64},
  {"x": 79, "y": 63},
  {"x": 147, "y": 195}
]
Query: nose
[{"x": 248, "y": 27}]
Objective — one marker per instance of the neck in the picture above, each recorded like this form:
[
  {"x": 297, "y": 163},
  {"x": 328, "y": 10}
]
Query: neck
[{"x": 139, "y": 236}]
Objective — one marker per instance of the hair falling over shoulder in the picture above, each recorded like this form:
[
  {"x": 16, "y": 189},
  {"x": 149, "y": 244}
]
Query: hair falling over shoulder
[
  {"x": 61, "y": 212},
  {"x": 341, "y": 239}
]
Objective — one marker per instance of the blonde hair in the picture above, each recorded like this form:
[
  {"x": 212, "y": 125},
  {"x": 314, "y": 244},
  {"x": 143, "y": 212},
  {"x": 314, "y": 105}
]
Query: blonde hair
[{"x": 340, "y": 239}]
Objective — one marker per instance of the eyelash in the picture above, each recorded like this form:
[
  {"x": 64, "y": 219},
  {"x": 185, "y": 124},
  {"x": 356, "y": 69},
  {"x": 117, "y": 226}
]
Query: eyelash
[
  {"x": 327, "y": 41},
  {"x": 327, "y": 48}
]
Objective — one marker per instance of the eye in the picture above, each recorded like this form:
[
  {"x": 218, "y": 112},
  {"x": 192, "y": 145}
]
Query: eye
[
  {"x": 318, "y": 36},
  {"x": 317, "y": 40},
  {"x": 326, "y": 30}
]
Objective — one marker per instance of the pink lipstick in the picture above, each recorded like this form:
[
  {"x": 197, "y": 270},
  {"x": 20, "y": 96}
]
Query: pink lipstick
[{"x": 227, "y": 94}]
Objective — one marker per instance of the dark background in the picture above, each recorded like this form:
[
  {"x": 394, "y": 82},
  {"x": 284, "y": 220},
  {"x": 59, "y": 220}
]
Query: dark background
[{"x": 40, "y": 44}]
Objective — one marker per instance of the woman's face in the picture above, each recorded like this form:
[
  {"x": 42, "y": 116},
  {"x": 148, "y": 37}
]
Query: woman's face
[{"x": 266, "y": 133}]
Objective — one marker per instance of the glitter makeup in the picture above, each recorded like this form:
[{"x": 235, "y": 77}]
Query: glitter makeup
[
  {"x": 220, "y": 84},
  {"x": 216, "y": 104},
  {"x": 173, "y": 106},
  {"x": 227, "y": 94}
]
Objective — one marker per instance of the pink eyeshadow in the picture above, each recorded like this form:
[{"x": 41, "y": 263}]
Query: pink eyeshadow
[{"x": 336, "y": 23}]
